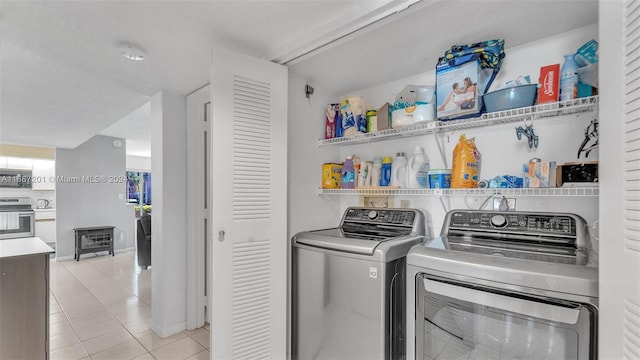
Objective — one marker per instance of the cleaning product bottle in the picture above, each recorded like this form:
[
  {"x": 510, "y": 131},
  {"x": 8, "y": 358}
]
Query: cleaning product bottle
[
  {"x": 569, "y": 78},
  {"x": 399, "y": 171},
  {"x": 348, "y": 174},
  {"x": 362, "y": 175},
  {"x": 418, "y": 169},
  {"x": 375, "y": 172},
  {"x": 385, "y": 174}
]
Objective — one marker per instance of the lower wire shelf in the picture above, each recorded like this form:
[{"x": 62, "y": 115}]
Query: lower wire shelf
[{"x": 561, "y": 191}]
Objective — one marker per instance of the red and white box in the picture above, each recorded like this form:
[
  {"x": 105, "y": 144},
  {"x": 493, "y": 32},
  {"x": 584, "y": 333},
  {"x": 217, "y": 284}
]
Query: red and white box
[{"x": 549, "y": 90}]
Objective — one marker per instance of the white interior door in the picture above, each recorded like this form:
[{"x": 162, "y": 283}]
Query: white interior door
[
  {"x": 619, "y": 172},
  {"x": 249, "y": 188}
]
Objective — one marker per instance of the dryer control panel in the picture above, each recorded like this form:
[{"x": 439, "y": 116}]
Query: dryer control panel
[{"x": 513, "y": 222}]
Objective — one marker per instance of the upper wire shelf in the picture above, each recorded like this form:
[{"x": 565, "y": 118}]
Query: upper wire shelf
[
  {"x": 533, "y": 192},
  {"x": 488, "y": 119}
]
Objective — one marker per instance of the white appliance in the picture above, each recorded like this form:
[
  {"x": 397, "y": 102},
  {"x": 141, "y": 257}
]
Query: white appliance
[
  {"x": 16, "y": 218},
  {"x": 348, "y": 285},
  {"x": 510, "y": 285}
]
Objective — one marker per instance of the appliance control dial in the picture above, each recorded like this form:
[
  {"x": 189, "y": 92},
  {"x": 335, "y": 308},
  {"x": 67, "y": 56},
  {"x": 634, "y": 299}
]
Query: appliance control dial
[
  {"x": 373, "y": 214},
  {"x": 499, "y": 221}
]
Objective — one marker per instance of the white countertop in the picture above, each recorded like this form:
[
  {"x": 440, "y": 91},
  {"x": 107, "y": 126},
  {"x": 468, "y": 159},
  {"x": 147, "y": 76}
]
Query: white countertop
[
  {"x": 23, "y": 246},
  {"x": 44, "y": 210}
]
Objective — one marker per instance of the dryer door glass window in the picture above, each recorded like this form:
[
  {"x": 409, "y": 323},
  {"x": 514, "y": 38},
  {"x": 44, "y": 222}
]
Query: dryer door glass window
[{"x": 464, "y": 321}]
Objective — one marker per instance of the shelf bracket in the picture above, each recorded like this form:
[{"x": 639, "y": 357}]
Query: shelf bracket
[
  {"x": 439, "y": 137},
  {"x": 444, "y": 206}
]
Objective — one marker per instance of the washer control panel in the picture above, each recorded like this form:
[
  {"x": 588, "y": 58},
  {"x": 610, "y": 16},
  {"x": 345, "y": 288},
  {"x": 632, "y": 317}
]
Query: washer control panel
[
  {"x": 381, "y": 216},
  {"x": 561, "y": 224}
]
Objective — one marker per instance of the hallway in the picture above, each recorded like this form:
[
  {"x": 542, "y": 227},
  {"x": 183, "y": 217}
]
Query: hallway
[{"x": 100, "y": 308}]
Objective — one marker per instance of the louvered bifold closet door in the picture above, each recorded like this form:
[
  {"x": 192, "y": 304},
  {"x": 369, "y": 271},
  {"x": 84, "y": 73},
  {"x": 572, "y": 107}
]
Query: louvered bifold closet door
[
  {"x": 249, "y": 172},
  {"x": 251, "y": 201},
  {"x": 252, "y": 158},
  {"x": 631, "y": 331}
]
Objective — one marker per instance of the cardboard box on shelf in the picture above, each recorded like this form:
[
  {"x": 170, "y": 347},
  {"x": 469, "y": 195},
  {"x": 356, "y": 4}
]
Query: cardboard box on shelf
[
  {"x": 459, "y": 85},
  {"x": 577, "y": 173},
  {"x": 540, "y": 174},
  {"x": 384, "y": 117},
  {"x": 549, "y": 90}
]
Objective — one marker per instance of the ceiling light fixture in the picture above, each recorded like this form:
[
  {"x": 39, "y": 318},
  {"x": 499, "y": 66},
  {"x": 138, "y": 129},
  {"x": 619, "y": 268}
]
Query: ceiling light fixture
[{"x": 132, "y": 52}]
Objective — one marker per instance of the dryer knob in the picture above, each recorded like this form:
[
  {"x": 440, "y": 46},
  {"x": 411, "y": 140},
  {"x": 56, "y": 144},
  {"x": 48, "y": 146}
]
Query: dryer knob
[
  {"x": 373, "y": 214},
  {"x": 498, "y": 221}
]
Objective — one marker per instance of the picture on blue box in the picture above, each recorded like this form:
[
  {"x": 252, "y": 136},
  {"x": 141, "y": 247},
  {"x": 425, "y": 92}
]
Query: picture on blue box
[{"x": 461, "y": 96}]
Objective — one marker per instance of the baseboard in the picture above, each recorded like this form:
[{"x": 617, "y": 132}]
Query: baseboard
[
  {"x": 71, "y": 257},
  {"x": 169, "y": 330}
]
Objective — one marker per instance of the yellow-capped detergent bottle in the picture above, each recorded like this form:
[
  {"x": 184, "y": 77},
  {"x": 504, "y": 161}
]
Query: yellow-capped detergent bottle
[{"x": 465, "y": 172}]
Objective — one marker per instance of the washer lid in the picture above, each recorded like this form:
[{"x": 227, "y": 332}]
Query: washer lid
[
  {"x": 335, "y": 239},
  {"x": 436, "y": 255}
]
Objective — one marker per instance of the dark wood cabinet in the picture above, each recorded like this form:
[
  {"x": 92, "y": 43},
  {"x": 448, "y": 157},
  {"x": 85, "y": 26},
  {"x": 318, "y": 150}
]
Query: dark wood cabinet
[{"x": 93, "y": 239}]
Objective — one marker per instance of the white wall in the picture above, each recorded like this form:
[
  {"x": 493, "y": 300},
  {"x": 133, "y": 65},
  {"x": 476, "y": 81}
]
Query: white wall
[
  {"x": 83, "y": 204},
  {"x": 138, "y": 163},
  {"x": 501, "y": 152},
  {"x": 168, "y": 226},
  {"x": 307, "y": 210}
]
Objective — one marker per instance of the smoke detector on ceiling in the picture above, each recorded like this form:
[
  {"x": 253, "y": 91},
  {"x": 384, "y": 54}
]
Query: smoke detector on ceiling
[{"x": 132, "y": 52}]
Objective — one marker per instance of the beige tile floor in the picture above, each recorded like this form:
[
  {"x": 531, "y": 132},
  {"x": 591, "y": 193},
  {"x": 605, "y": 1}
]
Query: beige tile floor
[{"x": 100, "y": 308}]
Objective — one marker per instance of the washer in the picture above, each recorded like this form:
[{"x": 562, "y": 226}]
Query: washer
[
  {"x": 503, "y": 285},
  {"x": 348, "y": 285}
]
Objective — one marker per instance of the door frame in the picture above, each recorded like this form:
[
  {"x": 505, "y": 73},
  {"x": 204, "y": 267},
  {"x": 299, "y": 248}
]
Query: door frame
[{"x": 197, "y": 214}]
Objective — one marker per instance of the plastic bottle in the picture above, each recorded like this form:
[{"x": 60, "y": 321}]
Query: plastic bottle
[
  {"x": 376, "y": 171},
  {"x": 418, "y": 169},
  {"x": 362, "y": 175},
  {"x": 569, "y": 78},
  {"x": 348, "y": 174},
  {"x": 385, "y": 174},
  {"x": 399, "y": 171},
  {"x": 367, "y": 181}
]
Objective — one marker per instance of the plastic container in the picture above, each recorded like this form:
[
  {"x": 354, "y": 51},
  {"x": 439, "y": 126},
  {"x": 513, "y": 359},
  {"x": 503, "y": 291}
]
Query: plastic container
[
  {"x": 465, "y": 172},
  {"x": 418, "y": 169},
  {"x": 363, "y": 174},
  {"x": 399, "y": 171},
  {"x": 440, "y": 178},
  {"x": 376, "y": 171},
  {"x": 385, "y": 174},
  {"x": 372, "y": 120},
  {"x": 511, "y": 97},
  {"x": 412, "y": 115},
  {"x": 415, "y": 103},
  {"x": 331, "y": 176},
  {"x": 348, "y": 174},
  {"x": 569, "y": 78}
]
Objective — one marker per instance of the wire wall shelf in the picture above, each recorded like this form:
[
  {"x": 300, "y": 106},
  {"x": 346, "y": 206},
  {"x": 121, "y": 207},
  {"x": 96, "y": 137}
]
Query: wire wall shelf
[
  {"x": 541, "y": 111},
  {"x": 533, "y": 192}
]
